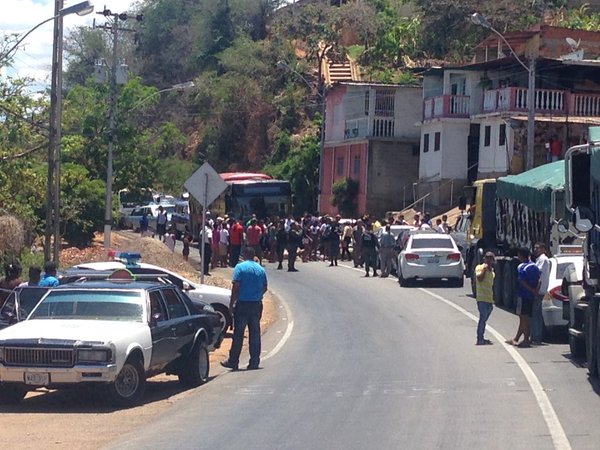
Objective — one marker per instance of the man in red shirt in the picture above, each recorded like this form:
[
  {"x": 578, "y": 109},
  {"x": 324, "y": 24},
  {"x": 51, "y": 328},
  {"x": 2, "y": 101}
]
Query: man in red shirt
[
  {"x": 236, "y": 236},
  {"x": 253, "y": 235},
  {"x": 555, "y": 148}
]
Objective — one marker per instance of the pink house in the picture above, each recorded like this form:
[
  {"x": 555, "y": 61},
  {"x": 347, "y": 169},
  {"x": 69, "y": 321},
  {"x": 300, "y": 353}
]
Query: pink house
[{"x": 372, "y": 136}]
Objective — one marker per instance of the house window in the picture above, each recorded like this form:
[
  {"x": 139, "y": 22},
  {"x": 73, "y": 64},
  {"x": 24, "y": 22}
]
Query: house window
[
  {"x": 487, "y": 137},
  {"x": 367, "y": 94},
  {"x": 502, "y": 135},
  {"x": 356, "y": 168},
  {"x": 437, "y": 141},
  {"x": 384, "y": 102},
  {"x": 340, "y": 166},
  {"x": 425, "y": 143}
]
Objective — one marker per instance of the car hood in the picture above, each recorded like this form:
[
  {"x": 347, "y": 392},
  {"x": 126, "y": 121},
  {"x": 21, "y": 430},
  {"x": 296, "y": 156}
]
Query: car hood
[{"x": 76, "y": 330}]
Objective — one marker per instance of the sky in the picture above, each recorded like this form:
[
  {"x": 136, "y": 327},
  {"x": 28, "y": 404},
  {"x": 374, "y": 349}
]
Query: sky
[{"x": 34, "y": 56}]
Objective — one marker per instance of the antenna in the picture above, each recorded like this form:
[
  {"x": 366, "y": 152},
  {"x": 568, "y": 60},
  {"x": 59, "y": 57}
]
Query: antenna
[{"x": 574, "y": 44}]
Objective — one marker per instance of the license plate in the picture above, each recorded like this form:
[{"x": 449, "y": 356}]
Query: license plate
[
  {"x": 433, "y": 260},
  {"x": 36, "y": 378}
]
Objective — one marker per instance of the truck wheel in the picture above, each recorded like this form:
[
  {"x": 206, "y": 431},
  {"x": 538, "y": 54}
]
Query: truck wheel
[
  {"x": 11, "y": 394},
  {"x": 195, "y": 368},
  {"x": 591, "y": 324},
  {"x": 577, "y": 347},
  {"x": 508, "y": 291},
  {"x": 128, "y": 389}
]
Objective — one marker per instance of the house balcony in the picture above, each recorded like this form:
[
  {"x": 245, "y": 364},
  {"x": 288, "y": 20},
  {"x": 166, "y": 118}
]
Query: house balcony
[
  {"x": 379, "y": 126},
  {"x": 546, "y": 101},
  {"x": 447, "y": 106}
]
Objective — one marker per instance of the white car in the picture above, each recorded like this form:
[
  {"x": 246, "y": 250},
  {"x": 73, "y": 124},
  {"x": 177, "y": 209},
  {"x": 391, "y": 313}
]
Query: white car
[
  {"x": 132, "y": 221},
  {"x": 430, "y": 255},
  {"x": 217, "y": 297},
  {"x": 552, "y": 304},
  {"x": 112, "y": 334}
]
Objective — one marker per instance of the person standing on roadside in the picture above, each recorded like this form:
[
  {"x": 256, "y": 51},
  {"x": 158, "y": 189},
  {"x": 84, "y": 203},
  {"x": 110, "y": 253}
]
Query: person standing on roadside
[
  {"x": 528, "y": 277},
  {"x": 370, "y": 245},
  {"x": 254, "y": 234},
  {"x": 187, "y": 239},
  {"x": 387, "y": 242},
  {"x": 334, "y": 243},
  {"x": 49, "y": 279},
  {"x": 280, "y": 243},
  {"x": 543, "y": 264},
  {"x": 294, "y": 239},
  {"x": 144, "y": 224},
  {"x": 161, "y": 223},
  {"x": 11, "y": 279},
  {"x": 236, "y": 236},
  {"x": 357, "y": 233},
  {"x": 346, "y": 241},
  {"x": 249, "y": 287},
  {"x": 207, "y": 249},
  {"x": 484, "y": 283}
]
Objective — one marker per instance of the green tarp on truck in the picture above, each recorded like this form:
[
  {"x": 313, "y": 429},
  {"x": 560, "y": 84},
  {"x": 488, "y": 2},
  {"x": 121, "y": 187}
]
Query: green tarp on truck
[{"x": 534, "y": 188}]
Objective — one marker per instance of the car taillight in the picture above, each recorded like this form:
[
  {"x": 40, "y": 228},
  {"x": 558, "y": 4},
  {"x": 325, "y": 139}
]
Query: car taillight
[
  {"x": 454, "y": 257},
  {"x": 556, "y": 294},
  {"x": 411, "y": 257}
]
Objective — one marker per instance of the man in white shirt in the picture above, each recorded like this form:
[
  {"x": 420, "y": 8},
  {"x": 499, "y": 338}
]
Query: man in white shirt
[{"x": 537, "y": 321}]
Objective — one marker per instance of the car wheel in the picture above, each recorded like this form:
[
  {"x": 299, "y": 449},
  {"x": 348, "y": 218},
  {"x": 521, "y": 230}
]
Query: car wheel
[
  {"x": 224, "y": 315},
  {"x": 577, "y": 347},
  {"x": 128, "y": 389},
  {"x": 458, "y": 282},
  {"x": 196, "y": 367},
  {"x": 11, "y": 394},
  {"x": 403, "y": 281}
]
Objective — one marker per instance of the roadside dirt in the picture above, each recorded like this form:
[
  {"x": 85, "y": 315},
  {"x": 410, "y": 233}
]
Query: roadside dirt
[{"x": 80, "y": 418}]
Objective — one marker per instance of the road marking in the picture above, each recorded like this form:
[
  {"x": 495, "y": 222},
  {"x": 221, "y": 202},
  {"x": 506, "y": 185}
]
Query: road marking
[
  {"x": 559, "y": 437},
  {"x": 288, "y": 330}
]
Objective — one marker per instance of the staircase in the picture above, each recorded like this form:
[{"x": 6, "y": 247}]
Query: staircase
[{"x": 335, "y": 72}]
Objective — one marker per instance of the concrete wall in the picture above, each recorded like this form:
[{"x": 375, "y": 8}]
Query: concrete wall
[
  {"x": 495, "y": 158},
  {"x": 408, "y": 112}
]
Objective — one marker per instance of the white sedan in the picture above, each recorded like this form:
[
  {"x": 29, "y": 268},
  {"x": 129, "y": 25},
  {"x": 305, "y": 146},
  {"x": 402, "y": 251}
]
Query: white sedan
[
  {"x": 552, "y": 304},
  {"x": 430, "y": 255},
  {"x": 215, "y": 296}
]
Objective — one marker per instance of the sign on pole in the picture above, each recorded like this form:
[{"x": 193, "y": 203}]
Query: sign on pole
[{"x": 205, "y": 185}]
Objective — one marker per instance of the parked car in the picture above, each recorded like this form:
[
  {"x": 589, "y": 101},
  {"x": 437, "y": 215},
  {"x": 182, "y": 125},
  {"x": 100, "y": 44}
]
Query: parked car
[
  {"x": 215, "y": 296},
  {"x": 112, "y": 333},
  {"x": 132, "y": 221},
  {"x": 19, "y": 304},
  {"x": 554, "y": 301},
  {"x": 430, "y": 255},
  {"x": 180, "y": 218}
]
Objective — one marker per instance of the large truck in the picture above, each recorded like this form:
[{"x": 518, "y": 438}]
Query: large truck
[
  {"x": 511, "y": 212},
  {"x": 582, "y": 183}
]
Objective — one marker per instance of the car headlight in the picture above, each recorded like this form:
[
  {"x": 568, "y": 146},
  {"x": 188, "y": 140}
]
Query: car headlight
[
  {"x": 208, "y": 308},
  {"x": 93, "y": 356}
]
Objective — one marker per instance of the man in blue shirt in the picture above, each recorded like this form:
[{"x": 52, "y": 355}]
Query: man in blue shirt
[
  {"x": 528, "y": 278},
  {"x": 249, "y": 286},
  {"x": 49, "y": 279}
]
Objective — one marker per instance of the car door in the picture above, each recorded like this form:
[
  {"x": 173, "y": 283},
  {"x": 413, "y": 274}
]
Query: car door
[
  {"x": 8, "y": 313},
  {"x": 182, "y": 323},
  {"x": 160, "y": 330}
]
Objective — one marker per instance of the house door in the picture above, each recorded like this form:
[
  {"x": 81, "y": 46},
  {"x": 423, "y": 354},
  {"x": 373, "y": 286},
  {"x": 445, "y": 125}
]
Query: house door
[{"x": 473, "y": 153}]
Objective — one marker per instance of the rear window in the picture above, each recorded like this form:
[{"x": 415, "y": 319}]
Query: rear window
[
  {"x": 560, "y": 270},
  {"x": 431, "y": 243}
]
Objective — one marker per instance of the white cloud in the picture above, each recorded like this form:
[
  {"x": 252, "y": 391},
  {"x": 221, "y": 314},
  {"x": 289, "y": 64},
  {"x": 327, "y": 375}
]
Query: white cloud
[{"x": 34, "y": 55}]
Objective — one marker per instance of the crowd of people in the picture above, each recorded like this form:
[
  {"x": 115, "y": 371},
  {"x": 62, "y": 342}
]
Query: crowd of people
[{"x": 310, "y": 238}]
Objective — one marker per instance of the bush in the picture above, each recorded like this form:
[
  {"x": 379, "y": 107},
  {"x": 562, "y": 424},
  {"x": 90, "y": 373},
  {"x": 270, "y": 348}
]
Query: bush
[{"x": 344, "y": 196}]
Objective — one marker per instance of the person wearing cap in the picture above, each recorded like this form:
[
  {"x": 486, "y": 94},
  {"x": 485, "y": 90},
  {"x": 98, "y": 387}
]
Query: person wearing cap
[{"x": 484, "y": 283}]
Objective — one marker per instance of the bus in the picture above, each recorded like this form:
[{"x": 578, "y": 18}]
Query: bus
[{"x": 248, "y": 194}]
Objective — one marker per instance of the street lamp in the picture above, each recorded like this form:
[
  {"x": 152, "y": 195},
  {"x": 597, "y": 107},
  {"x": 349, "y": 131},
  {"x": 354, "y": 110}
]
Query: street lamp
[
  {"x": 53, "y": 188},
  {"x": 480, "y": 20},
  {"x": 179, "y": 87},
  {"x": 321, "y": 93}
]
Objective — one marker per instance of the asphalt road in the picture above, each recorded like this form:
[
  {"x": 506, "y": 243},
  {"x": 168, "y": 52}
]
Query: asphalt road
[{"x": 371, "y": 365}]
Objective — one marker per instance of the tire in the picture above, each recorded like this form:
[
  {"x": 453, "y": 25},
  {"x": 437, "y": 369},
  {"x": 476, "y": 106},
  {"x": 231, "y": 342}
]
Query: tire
[
  {"x": 403, "y": 281},
  {"x": 577, "y": 347},
  {"x": 224, "y": 315},
  {"x": 128, "y": 389},
  {"x": 458, "y": 282},
  {"x": 11, "y": 394},
  {"x": 194, "y": 371},
  {"x": 591, "y": 323}
]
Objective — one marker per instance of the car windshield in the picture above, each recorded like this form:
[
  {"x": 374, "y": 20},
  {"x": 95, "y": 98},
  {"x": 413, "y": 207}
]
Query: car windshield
[
  {"x": 431, "y": 243},
  {"x": 90, "y": 305}
]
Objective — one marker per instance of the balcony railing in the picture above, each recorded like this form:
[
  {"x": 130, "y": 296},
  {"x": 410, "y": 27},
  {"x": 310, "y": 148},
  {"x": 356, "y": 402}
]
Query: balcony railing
[
  {"x": 446, "y": 106},
  {"x": 383, "y": 127},
  {"x": 356, "y": 128},
  {"x": 584, "y": 105}
]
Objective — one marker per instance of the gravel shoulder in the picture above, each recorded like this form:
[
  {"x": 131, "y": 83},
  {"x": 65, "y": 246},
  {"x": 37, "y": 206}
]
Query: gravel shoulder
[{"x": 79, "y": 418}]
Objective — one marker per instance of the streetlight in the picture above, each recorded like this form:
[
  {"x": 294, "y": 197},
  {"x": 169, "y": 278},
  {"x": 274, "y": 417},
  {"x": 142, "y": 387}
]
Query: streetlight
[
  {"x": 479, "y": 19},
  {"x": 53, "y": 189},
  {"x": 181, "y": 87},
  {"x": 321, "y": 93}
]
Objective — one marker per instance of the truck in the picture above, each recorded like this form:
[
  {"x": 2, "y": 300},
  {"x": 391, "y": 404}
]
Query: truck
[
  {"x": 582, "y": 188},
  {"x": 511, "y": 212}
]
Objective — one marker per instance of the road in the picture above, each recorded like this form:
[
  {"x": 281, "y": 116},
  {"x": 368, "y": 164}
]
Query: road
[{"x": 371, "y": 365}]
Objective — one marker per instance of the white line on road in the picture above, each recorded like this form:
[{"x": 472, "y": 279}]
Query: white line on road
[
  {"x": 286, "y": 335},
  {"x": 559, "y": 437},
  {"x": 557, "y": 432}
]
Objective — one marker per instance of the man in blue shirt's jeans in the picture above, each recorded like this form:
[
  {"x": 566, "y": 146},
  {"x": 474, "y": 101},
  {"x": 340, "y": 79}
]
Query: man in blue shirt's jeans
[{"x": 249, "y": 286}]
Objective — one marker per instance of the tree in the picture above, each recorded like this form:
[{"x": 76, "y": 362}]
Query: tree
[{"x": 344, "y": 196}]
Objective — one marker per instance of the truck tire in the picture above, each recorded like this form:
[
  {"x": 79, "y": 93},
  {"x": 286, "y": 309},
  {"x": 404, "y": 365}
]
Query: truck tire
[
  {"x": 591, "y": 332},
  {"x": 577, "y": 347},
  {"x": 509, "y": 291}
]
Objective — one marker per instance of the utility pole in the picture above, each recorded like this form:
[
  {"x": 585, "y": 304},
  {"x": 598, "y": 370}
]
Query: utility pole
[
  {"x": 114, "y": 30},
  {"x": 529, "y": 157}
]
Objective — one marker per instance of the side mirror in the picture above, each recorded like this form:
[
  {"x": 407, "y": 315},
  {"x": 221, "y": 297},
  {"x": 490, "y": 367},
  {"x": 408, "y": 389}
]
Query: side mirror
[
  {"x": 583, "y": 220},
  {"x": 562, "y": 226},
  {"x": 186, "y": 286}
]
